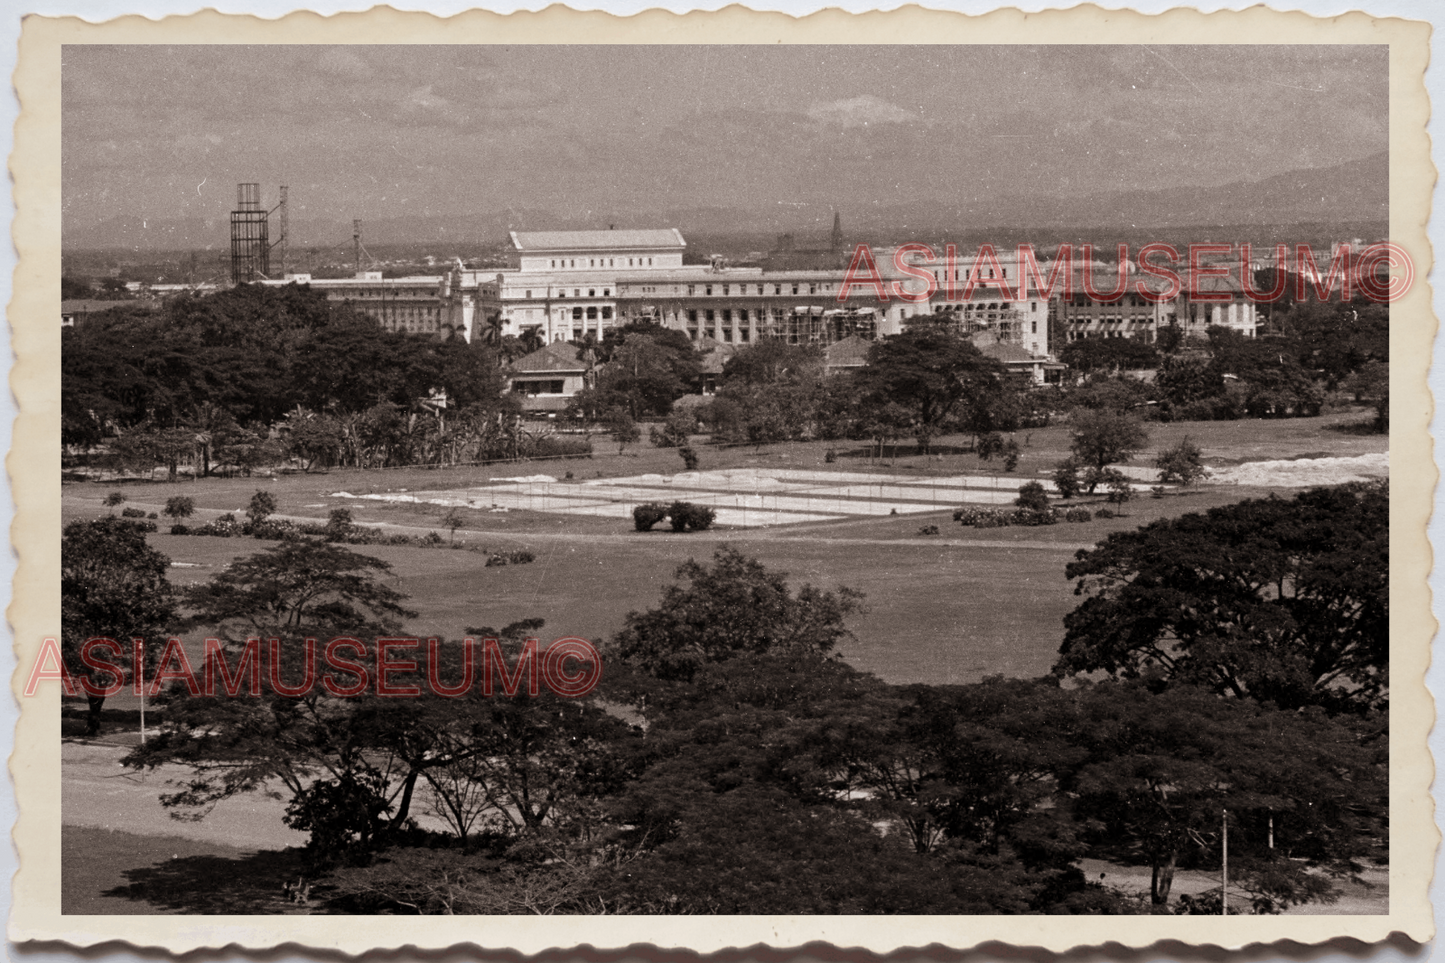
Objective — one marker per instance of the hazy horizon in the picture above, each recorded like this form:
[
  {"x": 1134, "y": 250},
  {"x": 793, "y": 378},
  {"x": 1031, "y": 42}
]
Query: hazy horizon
[{"x": 376, "y": 132}]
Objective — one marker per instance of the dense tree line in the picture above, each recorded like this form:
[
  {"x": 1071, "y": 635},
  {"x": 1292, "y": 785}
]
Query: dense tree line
[
  {"x": 730, "y": 762},
  {"x": 255, "y": 374},
  {"x": 1306, "y": 350}
]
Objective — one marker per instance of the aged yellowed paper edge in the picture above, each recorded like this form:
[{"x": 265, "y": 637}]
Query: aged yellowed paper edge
[{"x": 34, "y": 466}]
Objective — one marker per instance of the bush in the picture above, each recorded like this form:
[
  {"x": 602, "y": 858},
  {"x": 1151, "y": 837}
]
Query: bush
[
  {"x": 647, "y": 515},
  {"x": 1011, "y": 455},
  {"x": 280, "y": 530},
  {"x": 830, "y": 456},
  {"x": 223, "y": 527},
  {"x": 520, "y": 557},
  {"x": 689, "y": 457},
  {"x": 673, "y": 432},
  {"x": 114, "y": 499},
  {"x": 132, "y": 513},
  {"x": 180, "y": 506},
  {"x": 983, "y": 517},
  {"x": 687, "y": 517},
  {"x": 1066, "y": 478},
  {"x": 553, "y": 446},
  {"x": 1031, "y": 516},
  {"x": 262, "y": 507},
  {"x": 1103, "y": 513},
  {"x": 339, "y": 526},
  {"x": 153, "y": 516},
  {"x": 1180, "y": 464},
  {"x": 928, "y": 530},
  {"x": 179, "y": 529},
  {"x": 1119, "y": 487},
  {"x": 989, "y": 445},
  {"x": 140, "y": 525},
  {"x": 1033, "y": 496},
  {"x": 1078, "y": 515}
]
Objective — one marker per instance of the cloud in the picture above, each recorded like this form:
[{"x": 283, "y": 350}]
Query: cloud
[
  {"x": 424, "y": 98},
  {"x": 859, "y": 112}
]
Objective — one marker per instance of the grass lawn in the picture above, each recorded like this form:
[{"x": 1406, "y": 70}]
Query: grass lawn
[
  {"x": 111, "y": 873},
  {"x": 947, "y": 608}
]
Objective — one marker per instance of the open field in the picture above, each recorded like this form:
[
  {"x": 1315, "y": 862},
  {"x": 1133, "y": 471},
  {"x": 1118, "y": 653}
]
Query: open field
[{"x": 941, "y": 609}]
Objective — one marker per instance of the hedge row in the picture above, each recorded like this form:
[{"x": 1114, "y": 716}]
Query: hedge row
[
  {"x": 340, "y": 529},
  {"x": 1003, "y": 517}
]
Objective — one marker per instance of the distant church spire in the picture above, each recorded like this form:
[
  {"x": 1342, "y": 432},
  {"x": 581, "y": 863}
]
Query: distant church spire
[{"x": 836, "y": 242}]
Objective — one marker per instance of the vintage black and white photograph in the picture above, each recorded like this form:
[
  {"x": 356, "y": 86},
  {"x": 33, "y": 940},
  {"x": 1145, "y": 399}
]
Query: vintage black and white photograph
[{"x": 725, "y": 479}]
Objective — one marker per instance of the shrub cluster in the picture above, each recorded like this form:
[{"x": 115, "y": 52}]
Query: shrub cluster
[
  {"x": 1078, "y": 515},
  {"x": 1003, "y": 517},
  {"x": 1180, "y": 464},
  {"x": 340, "y": 529},
  {"x": 132, "y": 513},
  {"x": 683, "y": 516},
  {"x": 1032, "y": 495},
  {"x": 556, "y": 446},
  {"x": 519, "y": 557}
]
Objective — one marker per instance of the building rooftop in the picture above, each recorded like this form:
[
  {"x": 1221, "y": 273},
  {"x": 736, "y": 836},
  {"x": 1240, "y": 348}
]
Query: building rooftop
[
  {"x": 90, "y": 306},
  {"x": 559, "y": 356},
  {"x": 851, "y": 352},
  {"x": 539, "y": 241}
]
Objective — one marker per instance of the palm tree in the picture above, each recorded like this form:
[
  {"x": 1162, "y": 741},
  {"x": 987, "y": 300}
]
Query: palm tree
[{"x": 490, "y": 330}]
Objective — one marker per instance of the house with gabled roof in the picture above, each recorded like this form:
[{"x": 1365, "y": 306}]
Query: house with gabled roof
[
  {"x": 850, "y": 354},
  {"x": 1018, "y": 359},
  {"x": 547, "y": 378}
]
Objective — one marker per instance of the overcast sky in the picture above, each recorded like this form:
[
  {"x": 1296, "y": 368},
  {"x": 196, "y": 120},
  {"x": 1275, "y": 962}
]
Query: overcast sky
[{"x": 375, "y": 131}]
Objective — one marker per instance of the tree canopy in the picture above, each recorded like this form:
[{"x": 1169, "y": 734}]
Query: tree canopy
[
  {"x": 931, "y": 373},
  {"x": 112, "y": 586},
  {"x": 1282, "y": 600}
]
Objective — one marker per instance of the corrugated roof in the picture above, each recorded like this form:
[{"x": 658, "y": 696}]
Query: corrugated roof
[
  {"x": 557, "y": 356},
  {"x": 851, "y": 352},
  {"x": 1008, "y": 353},
  {"x": 89, "y": 306},
  {"x": 533, "y": 241}
]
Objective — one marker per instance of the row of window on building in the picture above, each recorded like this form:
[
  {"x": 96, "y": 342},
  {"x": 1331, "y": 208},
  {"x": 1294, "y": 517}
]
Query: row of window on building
[{"x": 600, "y": 262}]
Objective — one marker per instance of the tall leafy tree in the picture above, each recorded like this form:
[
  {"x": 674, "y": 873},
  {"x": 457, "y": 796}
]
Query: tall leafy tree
[
  {"x": 301, "y": 586},
  {"x": 931, "y": 373},
  {"x": 112, "y": 585},
  {"x": 1281, "y": 600},
  {"x": 1304, "y": 796},
  {"x": 734, "y": 606}
]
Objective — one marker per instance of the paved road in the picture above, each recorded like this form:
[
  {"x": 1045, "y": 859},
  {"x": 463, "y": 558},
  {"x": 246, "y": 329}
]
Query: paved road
[{"x": 95, "y": 790}]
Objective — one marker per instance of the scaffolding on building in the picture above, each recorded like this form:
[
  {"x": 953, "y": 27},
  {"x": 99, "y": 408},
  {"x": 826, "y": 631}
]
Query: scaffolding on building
[
  {"x": 251, "y": 244},
  {"x": 813, "y": 324},
  {"x": 250, "y": 247}
]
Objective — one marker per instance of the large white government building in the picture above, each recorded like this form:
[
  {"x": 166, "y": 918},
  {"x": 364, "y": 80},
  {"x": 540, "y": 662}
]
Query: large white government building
[
  {"x": 566, "y": 285},
  {"x": 569, "y": 284}
]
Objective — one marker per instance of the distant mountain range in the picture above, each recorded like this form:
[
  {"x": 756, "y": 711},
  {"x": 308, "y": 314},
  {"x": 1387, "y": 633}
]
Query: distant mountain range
[{"x": 1353, "y": 192}]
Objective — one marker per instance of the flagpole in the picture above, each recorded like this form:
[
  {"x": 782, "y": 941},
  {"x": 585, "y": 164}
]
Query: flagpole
[{"x": 1224, "y": 881}]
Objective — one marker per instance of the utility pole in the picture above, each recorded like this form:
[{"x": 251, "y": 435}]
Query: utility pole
[
  {"x": 356, "y": 243},
  {"x": 1224, "y": 881},
  {"x": 285, "y": 240}
]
